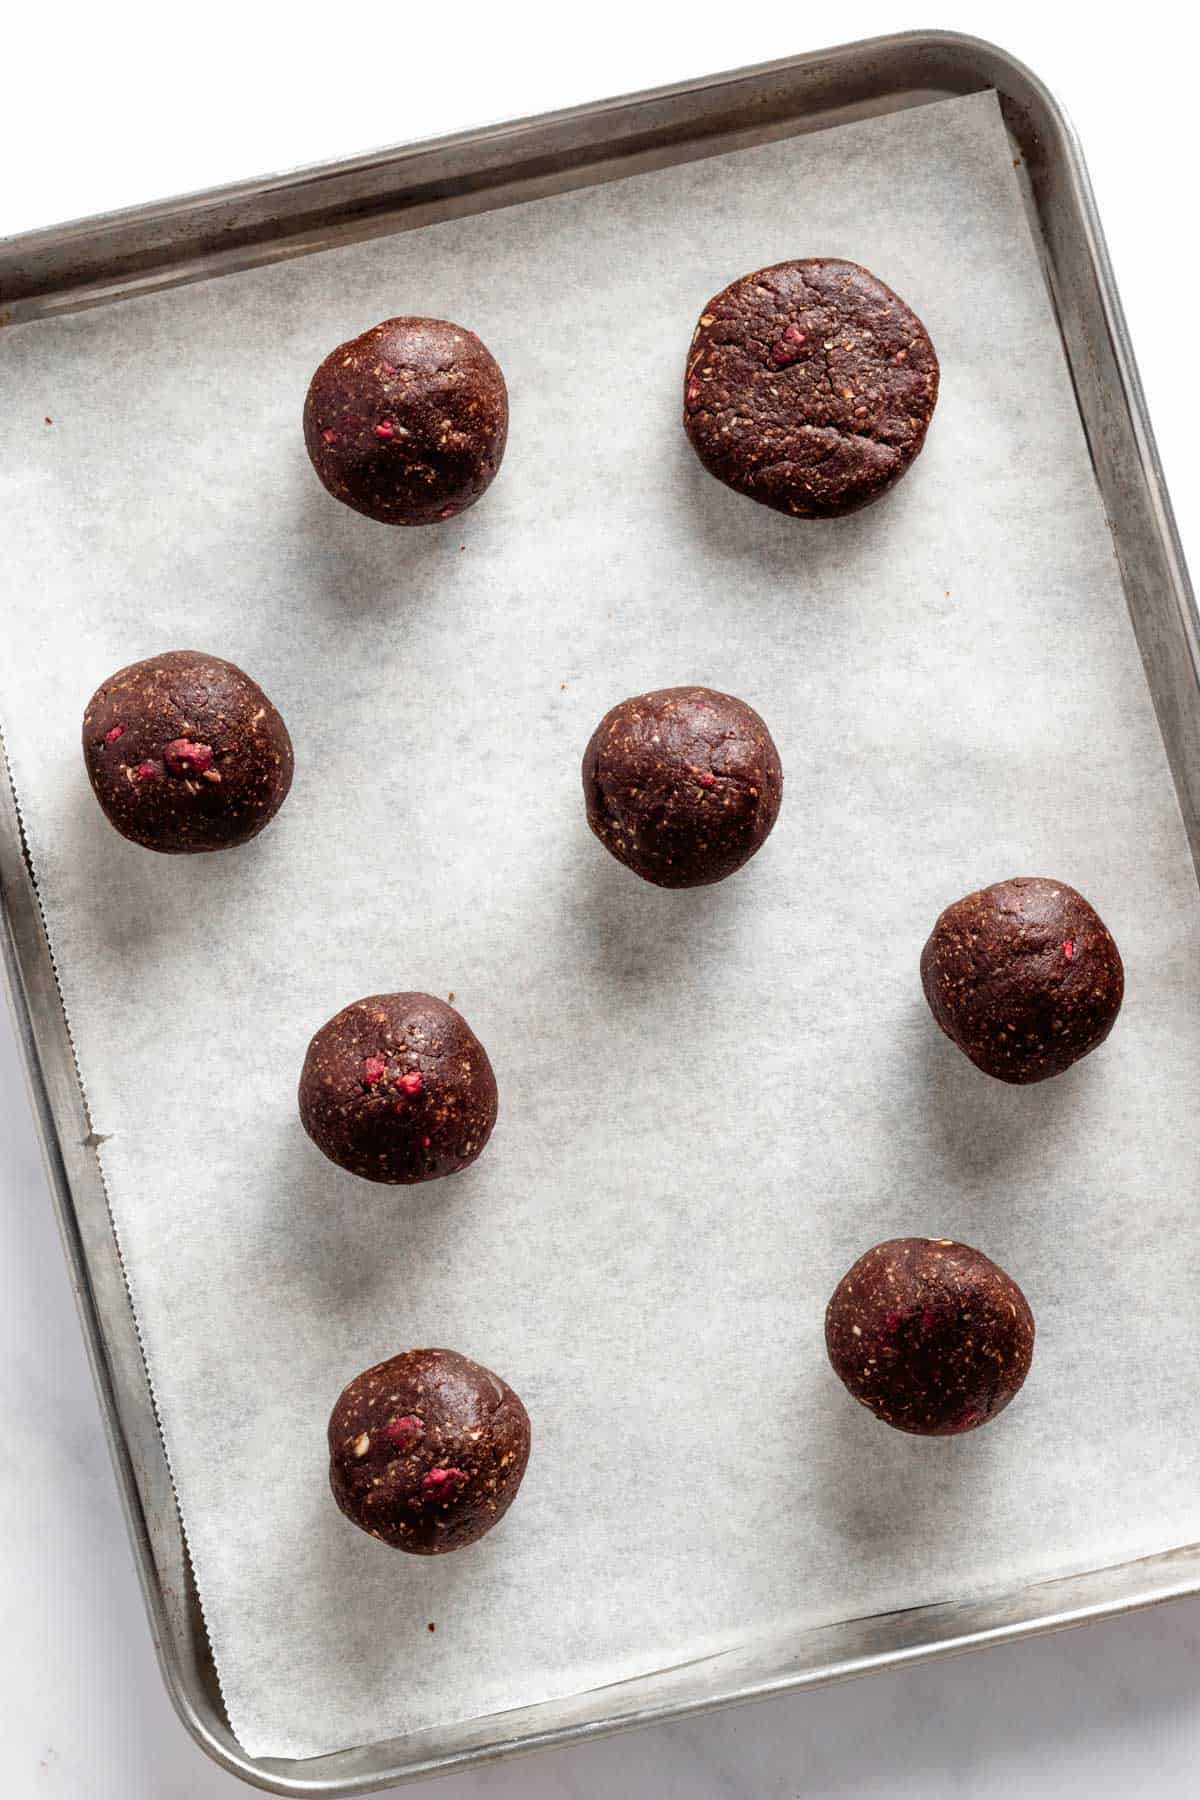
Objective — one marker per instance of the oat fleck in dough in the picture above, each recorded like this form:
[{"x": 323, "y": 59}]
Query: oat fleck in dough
[
  {"x": 186, "y": 753},
  {"x": 407, "y": 423},
  {"x": 682, "y": 785},
  {"x": 1024, "y": 977},
  {"x": 398, "y": 1088},
  {"x": 809, "y": 387},
  {"x": 427, "y": 1451},
  {"x": 931, "y": 1336}
]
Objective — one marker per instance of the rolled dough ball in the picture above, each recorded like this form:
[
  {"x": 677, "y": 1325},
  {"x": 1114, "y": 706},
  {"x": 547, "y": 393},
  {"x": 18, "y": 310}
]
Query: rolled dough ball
[
  {"x": 397, "y": 1088},
  {"x": 427, "y": 1451},
  {"x": 185, "y": 753},
  {"x": 682, "y": 785},
  {"x": 809, "y": 387},
  {"x": 1024, "y": 977},
  {"x": 407, "y": 423},
  {"x": 931, "y": 1336}
]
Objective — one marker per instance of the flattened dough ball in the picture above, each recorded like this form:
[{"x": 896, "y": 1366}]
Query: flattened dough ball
[
  {"x": 397, "y": 1088},
  {"x": 809, "y": 387},
  {"x": 427, "y": 1451},
  {"x": 682, "y": 785},
  {"x": 931, "y": 1336},
  {"x": 186, "y": 753},
  {"x": 1024, "y": 977},
  {"x": 407, "y": 423}
]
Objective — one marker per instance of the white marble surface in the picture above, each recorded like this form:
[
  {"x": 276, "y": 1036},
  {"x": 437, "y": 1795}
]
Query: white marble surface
[{"x": 117, "y": 105}]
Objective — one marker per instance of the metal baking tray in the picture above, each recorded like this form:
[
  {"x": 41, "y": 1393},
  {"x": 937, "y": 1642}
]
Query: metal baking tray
[{"x": 100, "y": 260}]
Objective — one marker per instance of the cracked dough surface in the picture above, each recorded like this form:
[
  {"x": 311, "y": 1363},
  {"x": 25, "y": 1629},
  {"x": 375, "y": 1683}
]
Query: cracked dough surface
[{"x": 809, "y": 387}]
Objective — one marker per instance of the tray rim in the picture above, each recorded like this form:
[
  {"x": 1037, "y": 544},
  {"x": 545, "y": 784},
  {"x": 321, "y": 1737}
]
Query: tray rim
[{"x": 48, "y": 1056}]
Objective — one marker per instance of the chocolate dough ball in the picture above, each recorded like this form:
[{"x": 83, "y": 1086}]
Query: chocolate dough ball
[
  {"x": 186, "y": 753},
  {"x": 682, "y": 785},
  {"x": 931, "y": 1336},
  {"x": 427, "y": 1451},
  {"x": 1024, "y": 977},
  {"x": 398, "y": 1088},
  {"x": 407, "y": 423},
  {"x": 809, "y": 386}
]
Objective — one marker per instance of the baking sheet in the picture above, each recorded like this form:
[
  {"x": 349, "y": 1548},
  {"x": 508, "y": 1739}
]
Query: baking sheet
[{"x": 710, "y": 1102}]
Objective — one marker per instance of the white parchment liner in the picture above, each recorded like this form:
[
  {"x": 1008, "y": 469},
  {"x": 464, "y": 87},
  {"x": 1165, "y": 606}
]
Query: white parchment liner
[{"x": 711, "y": 1102}]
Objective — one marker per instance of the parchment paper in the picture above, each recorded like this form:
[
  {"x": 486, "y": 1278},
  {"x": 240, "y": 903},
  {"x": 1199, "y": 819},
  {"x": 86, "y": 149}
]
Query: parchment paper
[{"x": 711, "y": 1102}]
